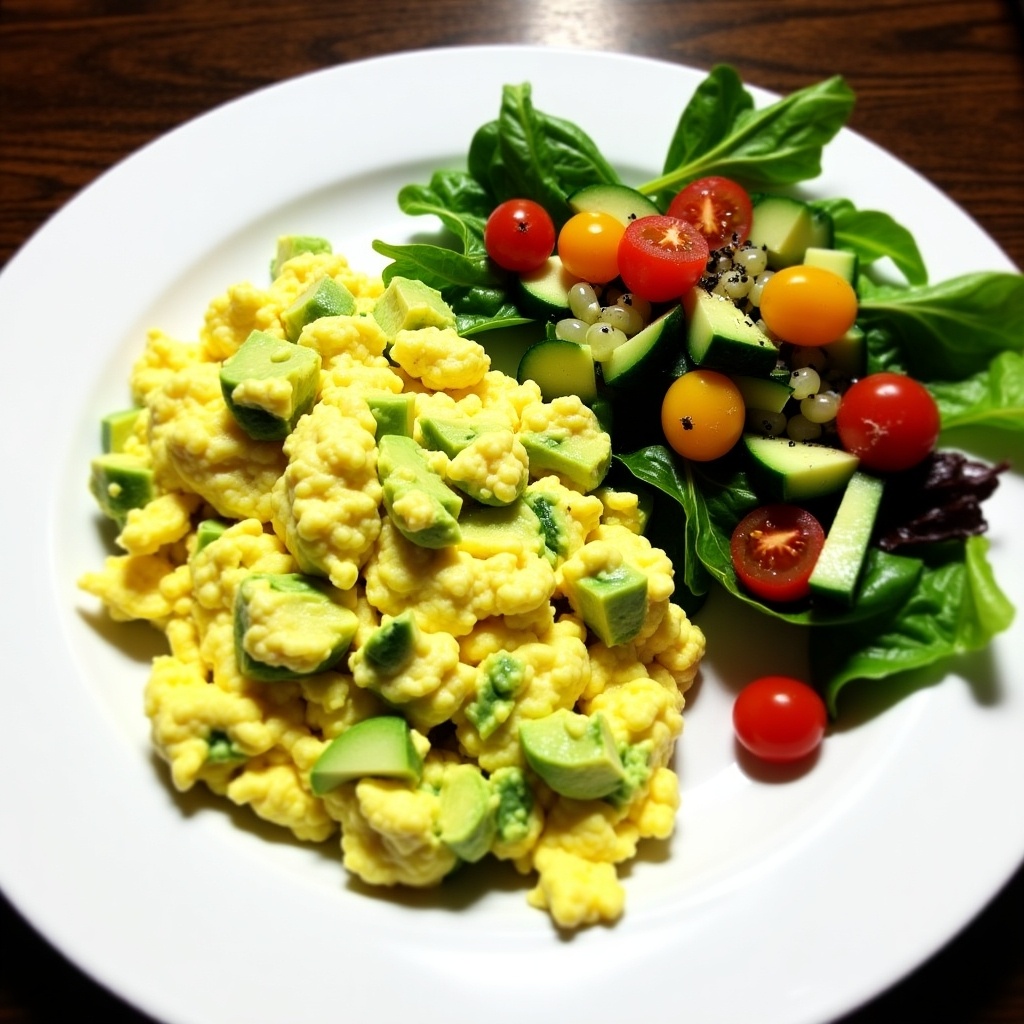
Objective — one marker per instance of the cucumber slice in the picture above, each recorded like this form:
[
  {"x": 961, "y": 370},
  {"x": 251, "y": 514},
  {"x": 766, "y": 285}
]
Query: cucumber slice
[
  {"x": 786, "y": 227},
  {"x": 842, "y": 263},
  {"x": 560, "y": 368},
  {"x": 763, "y": 392},
  {"x": 798, "y": 470},
  {"x": 838, "y": 567},
  {"x": 623, "y": 203},
  {"x": 847, "y": 356},
  {"x": 544, "y": 293},
  {"x": 720, "y": 336},
  {"x": 641, "y": 359}
]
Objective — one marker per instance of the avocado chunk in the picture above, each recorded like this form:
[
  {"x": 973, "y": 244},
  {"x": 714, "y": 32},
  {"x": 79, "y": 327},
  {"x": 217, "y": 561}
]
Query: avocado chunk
[
  {"x": 119, "y": 483},
  {"x": 208, "y": 531},
  {"x": 468, "y": 813},
  {"x": 515, "y": 803},
  {"x": 500, "y": 677},
  {"x": 268, "y": 384},
  {"x": 379, "y": 747},
  {"x": 839, "y": 564},
  {"x": 287, "y": 626},
  {"x": 116, "y": 428},
  {"x": 493, "y": 529},
  {"x": 221, "y": 749},
  {"x": 325, "y": 297},
  {"x": 582, "y": 459},
  {"x": 391, "y": 645},
  {"x": 450, "y": 436},
  {"x": 613, "y": 603},
  {"x": 395, "y": 414},
  {"x": 290, "y": 246},
  {"x": 408, "y": 305},
  {"x": 553, "y": 519},
  {"x": 574, "y": 754},
  {"x": 423, "y": 508}
]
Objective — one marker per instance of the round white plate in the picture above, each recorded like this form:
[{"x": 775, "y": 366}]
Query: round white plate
[{"x": 782, "y": 898}]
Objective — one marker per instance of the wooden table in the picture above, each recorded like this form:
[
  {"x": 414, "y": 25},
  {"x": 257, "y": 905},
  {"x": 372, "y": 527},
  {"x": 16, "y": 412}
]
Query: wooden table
[{"x": 940, "y": 84}]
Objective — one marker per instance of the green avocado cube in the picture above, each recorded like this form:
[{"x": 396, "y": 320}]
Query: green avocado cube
[
  {"x": 119, "y": 483},
  {"x": 208, "y": 531},
  {"x": 389, "y": 648},
  {"x": 422, "y": 507},
  {"x": 325, "y": 297},
  {"x": 408, "y": 305},
  {"x": 116, "y": 428},
  {"x": 304, "y": 617},
  {"x": 379, "y": 747},
  {"x": 290, "y": 246},
  {"x": 468, "y": 813},
  {"x": 268, "y": 384},
  {"x": 612, "y": 603},
  {"x": 395, "y": 414},
  {"x": 574, "y": 754},
  {"x": 583, "y": 460}
]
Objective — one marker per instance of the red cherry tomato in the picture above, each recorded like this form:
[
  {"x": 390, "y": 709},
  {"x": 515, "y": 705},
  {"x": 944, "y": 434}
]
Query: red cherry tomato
[
  {"x": 774, "y": 550},
  {"x": 519, "y": 235},
  {"x": 719, "y": 208},
  {"x": 889, "y": 421},
  {"x": 661, "y": 257},
  {"x": 779, "y": 719}
]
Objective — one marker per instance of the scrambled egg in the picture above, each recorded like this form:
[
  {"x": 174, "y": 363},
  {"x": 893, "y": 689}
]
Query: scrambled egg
[{"x": 498, "y": 636}]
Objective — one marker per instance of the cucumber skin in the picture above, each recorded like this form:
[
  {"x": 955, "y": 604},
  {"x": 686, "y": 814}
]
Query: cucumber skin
[
  {"x": 798, "y": 470},
  {"x": 560, "y": 368}
]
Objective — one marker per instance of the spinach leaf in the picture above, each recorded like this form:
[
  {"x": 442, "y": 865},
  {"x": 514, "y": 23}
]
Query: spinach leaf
[
  {"x": 872, "y": 235},
  {"x": 458, "y": 201},
  {"x": 437, "y": 266},
  {"x": 956, "y": 607},
  {"x": 530, "y": 153},
  {"x": 992, "y": 398},
  {"x": 720, "y": 132},
  {"x": 949, "y": 330}
]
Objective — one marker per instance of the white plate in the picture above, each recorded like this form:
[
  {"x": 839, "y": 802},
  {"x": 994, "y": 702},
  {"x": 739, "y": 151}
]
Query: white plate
[{"x": 779, "y": 900}]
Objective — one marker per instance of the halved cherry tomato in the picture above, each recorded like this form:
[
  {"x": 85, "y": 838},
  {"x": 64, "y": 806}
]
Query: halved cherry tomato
[
  {"x": 889, "y": 421},
  {"x": 774, "y": 549},
  {"x": 808, "y": 306},
  {"x": 779, "y": 719},
  {"x": 702, "y": 414},
  {"x": 719, "y": 208},
  {"x": 661, "y": 257},
  {"x": 519, "y": 235},
  {"x": 588, "y": 246}
]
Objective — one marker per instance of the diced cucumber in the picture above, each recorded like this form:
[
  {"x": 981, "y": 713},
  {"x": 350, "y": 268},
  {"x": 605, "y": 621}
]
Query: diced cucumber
[
  {"x": 798, "y": 470},
  {"x": 544, "y": 293},
  {"x": 847, "y": 356},
  {"x": 786, "y": 227},
  {"x": 642, "y": 357},
  {"x": 720, "y": 336},
  {"x": 841, "y": 262},
  {"x": 560, "y": 368},
  {"x": 623, "y": 203},
  {"x": 763, "y": 392},
  {"x": 839, "y": 565}
]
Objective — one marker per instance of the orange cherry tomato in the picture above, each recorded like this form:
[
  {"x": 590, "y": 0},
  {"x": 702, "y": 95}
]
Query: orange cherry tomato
[
  {"x": 808, "y": 306},
  {"x": 588, "y": 246}
]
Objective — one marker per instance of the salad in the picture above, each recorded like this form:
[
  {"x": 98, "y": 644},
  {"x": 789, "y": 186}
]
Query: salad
[{"x": 656, "y": 300}]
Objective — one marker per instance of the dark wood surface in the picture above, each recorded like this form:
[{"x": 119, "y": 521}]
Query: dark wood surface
[{"x": 939, "y": 84}]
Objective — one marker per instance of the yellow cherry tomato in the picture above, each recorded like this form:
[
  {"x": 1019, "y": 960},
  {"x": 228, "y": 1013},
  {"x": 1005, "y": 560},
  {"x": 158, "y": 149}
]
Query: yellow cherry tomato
[
  {"x": 808, "y": 306},
  {"x": 588, "y": 246},
  {"x": 702, "y": 415}
]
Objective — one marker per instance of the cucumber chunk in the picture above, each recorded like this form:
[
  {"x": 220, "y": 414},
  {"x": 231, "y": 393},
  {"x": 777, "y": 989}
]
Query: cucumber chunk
[
  {"x": 560, "y": 368},
  {"x": 720, "y": 336},
  {"x": 763, "y": 392},
  {"x": 798, "y": 470},
  {"x": 544, "y": 293},
  {"x": 623, "y": 203},
  {"x": 640, "y": 360},
  {"x": 839, "y": 565},
  {"x": 786, "y": 227},
  {"x": 842, "y": 263}
]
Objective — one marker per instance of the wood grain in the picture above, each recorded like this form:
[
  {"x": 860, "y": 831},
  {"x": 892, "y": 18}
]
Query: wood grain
[{"x": 84, "y": 83}]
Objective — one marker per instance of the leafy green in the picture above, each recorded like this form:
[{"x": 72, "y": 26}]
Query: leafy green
[
  {"x": 945, "y": 331},
  {"x": 720, "y": 132},
  {"x": 955, "y": 608},
  {"x": 992, "y": 398},
  {"x": 873, "y": 235}
]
